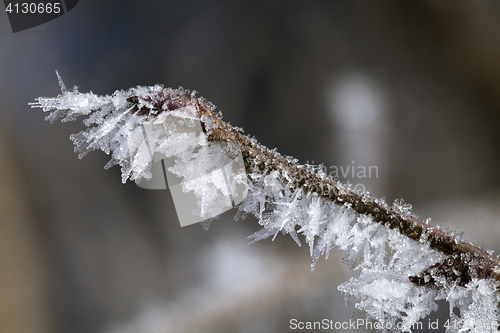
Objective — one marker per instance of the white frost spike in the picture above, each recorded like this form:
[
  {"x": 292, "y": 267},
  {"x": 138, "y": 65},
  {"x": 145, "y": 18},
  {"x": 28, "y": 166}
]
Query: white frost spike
[
  {"x": 117, "y": 123},
  {"x": 478, "y": 305},
  {"x": 144, "y": 125}
]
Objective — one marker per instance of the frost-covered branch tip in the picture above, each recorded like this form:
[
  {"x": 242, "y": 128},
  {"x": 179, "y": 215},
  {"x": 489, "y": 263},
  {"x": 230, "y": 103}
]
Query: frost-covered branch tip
[{"x": 405, "y": 264}]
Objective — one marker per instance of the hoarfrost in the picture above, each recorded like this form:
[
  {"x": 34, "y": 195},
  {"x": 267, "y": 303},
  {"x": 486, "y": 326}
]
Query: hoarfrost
[{"x": 384, "y": 258}]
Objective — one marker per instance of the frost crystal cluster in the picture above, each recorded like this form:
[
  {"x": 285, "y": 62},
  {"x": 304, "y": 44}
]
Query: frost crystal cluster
[{"x": 401, "y": 273}]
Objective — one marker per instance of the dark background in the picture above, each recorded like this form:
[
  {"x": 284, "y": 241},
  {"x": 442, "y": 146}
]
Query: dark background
[{"x": 409, "y": 87}]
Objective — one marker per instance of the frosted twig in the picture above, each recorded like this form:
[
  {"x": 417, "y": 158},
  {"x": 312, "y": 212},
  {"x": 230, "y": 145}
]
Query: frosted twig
[
  {"x": 471, "y": 260},
  {"x": 423, "y": 263}
]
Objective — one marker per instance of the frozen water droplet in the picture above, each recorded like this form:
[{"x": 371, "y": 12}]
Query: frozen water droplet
[{"x": 401, "y": 206}]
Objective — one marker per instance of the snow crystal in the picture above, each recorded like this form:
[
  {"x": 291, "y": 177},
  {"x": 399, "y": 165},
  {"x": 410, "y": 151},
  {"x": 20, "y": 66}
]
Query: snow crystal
[{"x": 384, "y": 257}]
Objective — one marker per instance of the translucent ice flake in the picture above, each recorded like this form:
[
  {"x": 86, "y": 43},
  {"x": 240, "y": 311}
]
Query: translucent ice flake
[
  {"x": 402, "y": 207},
  {"x": 116, "y": 124},
  {"x": 478, "y": 307},
  {"x": 383, "y": 289},
  {"x": 158, "y": 131}
]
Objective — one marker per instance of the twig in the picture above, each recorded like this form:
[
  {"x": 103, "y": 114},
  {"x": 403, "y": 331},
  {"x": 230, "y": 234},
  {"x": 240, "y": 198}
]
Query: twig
[{"x": 465, "y": 262}]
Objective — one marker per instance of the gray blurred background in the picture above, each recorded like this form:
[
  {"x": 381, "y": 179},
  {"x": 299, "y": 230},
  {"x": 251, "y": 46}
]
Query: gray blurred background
[{"x": 409, "y": 88}]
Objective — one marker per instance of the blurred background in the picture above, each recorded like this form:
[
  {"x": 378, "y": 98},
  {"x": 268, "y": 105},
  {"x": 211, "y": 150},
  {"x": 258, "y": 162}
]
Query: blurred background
[{"x": 408, "y": 90}]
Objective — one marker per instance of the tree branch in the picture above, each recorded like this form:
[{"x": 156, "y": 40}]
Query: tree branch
[
  {"x": 465, "y": 262},
  {"x": 284, "y": 195}
]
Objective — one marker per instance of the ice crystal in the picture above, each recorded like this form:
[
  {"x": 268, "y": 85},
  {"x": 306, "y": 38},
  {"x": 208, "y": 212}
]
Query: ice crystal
[{"x": 384, "y": 258}]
